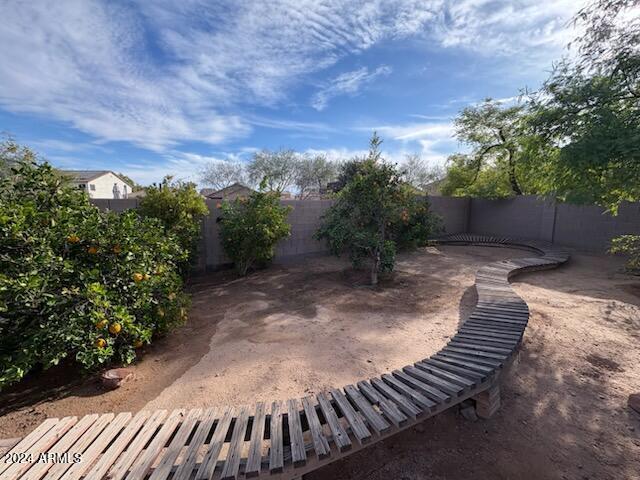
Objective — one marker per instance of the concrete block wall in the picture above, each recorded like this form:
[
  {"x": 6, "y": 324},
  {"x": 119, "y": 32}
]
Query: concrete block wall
[{"x": 585, "y": 227}]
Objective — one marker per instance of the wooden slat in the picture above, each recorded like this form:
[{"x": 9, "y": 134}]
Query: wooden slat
[
  {"x": 231, "y": 466},
  {"x": 467, "y": 363},
  {"x": 27, "y": 442},
  {"x": 433, "y": 394},
  {"x": 480, "y": 346},
  {"x": 254, "y": 459},
  {"x": 403, "y": 403},
  {"x": 92, "y": 451},
  {"x": 340, "y": 437},
  {"x": 168, "y": 458},
  {"x": 389, "y": 409},
  {"x": 41, "y": 445},
  {"x": 358, "y": 427},
  {"x": 117, "y": 447},
  {"x": 188, "y": 462},
  {"x": 373, "y": 418},
  {"x": 121, "y": 467},
  {"x": 298, "y": 453},
  {"x": 81, "y": 445},
  {"x": 208, "y": 465},
  {"x": 276, "y": 450},
  {"x": 437, "y": 382},
  {"x": 449, "y": 376},
  {"x": 456, "y": 368},
  {"x": 39, "y": 469},
  {"x": 477, "y": 352},
  {"x": 143, "y": 463},
  {"x": 320, "y": 444}
]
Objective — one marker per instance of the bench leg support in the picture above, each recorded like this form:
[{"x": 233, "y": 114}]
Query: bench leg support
[{"x": 488, "y": 402}]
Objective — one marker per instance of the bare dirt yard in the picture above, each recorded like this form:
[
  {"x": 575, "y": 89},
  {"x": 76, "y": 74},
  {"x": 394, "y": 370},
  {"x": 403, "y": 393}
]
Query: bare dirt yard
[{"x": 300, "y": 328}]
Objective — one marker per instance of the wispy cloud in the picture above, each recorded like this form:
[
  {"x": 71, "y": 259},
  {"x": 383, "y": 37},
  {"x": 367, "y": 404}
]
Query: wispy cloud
[{"x": 347, "y": 83}]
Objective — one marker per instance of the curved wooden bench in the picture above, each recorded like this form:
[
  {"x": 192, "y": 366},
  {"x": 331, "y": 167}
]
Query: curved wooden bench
[{"x": 288, "y": 439}]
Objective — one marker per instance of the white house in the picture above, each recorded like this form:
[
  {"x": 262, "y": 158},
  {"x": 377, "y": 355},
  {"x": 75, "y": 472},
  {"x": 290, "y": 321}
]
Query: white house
[{"x": 99, "y": 183}]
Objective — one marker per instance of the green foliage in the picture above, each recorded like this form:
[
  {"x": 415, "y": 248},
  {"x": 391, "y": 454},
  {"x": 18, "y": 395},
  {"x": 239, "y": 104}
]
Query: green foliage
[
  {"x": 136, "y": 187},
  {"x": 180, "y": 208},
  {"x": 76, "y": 282},
  {"x": 374, "y": 214},
  {"x": 629, "y": 245},
  {"x": 251, "y": 227}
]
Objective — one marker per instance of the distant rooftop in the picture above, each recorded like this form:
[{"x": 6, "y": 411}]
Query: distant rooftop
[{"x": 88, "y": 175}]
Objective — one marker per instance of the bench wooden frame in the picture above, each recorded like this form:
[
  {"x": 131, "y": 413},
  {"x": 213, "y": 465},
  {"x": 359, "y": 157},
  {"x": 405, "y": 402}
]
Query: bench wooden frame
[{"x": 289, "y": 439}]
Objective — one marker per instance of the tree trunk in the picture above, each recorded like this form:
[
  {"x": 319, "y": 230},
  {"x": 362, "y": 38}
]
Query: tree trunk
[
  {"x": 375, "y": 267},
  {"x": 515, "y": 186}
]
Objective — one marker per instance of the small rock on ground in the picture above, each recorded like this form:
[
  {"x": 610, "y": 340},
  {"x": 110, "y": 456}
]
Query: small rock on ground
[{"x": 115, "y": 377}]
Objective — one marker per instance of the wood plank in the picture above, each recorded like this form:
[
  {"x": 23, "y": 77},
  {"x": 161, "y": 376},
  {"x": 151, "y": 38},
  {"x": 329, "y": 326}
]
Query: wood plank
[
  {"x": 358, "y": 427},
  {"x": 254, "y": 458},
  {"x": 188, "y": 462},
  {"x": 414, "y": 395},
  {"x": 121, "y": 467},
  {"x": 38, "y": 470},
  {"x": 476, "y": 350},
  {"x": 389, "y": 409},
  {"x": 208, "y": 465},
  {"x": 169, "y": 456},
  {"x": 456, "y": 368},
  {"x": 41, "y": 445},
  {"x": 231, "y": 467},
  {"x": 276, "y": 449},
  {"x": 480, "y": 347},
  {"x": 403, "y": 403},
  {"x": 81, "y": 445},
  {"x": 431, "y": 392},
  {"x": 437, "y": 382},
  {"x": 298, "y": 453},
  {"x": 478, "y": 359},
  {"x": 111, "y": 431},
  {"x": 340, "y": 437},
  {"x": 117, "y": 447},
  {"x": 320, "y": 443},
  {"x": 464, "y": 361},
  {"x": 27, "y": 442},
  {"x": 449, "y": 376},
  {"x": 373, "y": 418}
]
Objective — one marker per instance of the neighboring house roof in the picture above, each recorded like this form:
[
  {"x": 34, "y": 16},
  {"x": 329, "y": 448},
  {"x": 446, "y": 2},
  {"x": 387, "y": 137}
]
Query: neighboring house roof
[
  {"x": 83, "y": 176},
  {"x": 205, "y": 192},
  {"x": 237, "y": 189}
]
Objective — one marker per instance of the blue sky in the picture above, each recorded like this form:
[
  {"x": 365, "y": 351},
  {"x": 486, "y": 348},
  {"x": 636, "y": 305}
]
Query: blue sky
[{"x": 162, "y": 87}]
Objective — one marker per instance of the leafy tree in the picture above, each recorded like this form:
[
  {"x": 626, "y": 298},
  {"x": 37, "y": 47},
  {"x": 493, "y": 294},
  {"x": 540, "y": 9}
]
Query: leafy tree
[
  {"x": 279, "y": 169},
  {"x": 251, "y": 227},
  {"x": 629, "y": 245},
  {"x": 77, "y": 283},
  {"x": 224, "y": 173},
  {"x": 373, "y": 213},
  {"x": 11, "y": 153},
  {"x": 494, "y": 133},
  {"x": 180, "y": 208},
  {"x": 313, "y": 174}
]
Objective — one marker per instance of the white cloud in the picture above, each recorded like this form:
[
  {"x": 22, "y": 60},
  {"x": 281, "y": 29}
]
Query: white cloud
[
  {"x": 347, "y": 83},
  {"x": 173, "y": 72}
]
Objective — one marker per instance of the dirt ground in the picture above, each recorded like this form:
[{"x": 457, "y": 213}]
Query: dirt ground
[{"x": 296, "y": 329}]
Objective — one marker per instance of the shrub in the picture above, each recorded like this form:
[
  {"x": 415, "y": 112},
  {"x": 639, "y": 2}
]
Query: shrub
[
  {"x": 630, "y": 245},
  {"x": 76, "y": 282},
  {"x": 375, "y": 213},
  {"x": 180, "y": 208},
  {"x": 251, "y": 227}
]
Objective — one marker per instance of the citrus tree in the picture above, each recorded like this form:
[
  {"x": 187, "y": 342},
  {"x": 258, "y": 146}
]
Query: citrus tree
[
  {"x": 251, "y": 227},
  {"x": 77, "y": 283},
  {"x": 374, "y": 214},
  {"x": 180, "y": 208}
]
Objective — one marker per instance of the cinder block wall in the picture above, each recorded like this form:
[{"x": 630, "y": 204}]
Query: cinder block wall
[{"x": 585, "y": 227}]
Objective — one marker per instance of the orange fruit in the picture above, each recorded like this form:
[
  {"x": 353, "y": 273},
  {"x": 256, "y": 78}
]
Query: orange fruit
[
  {"x": 73, "y": 239},
  {"x": 101, "y": 343},
  {"x": 117, "y": 249},
  {"x": 137, "y": 344},
  {"x": 161, "y": 312},
  {"x": 92, "y": 250},
  {"x": 218, "y": 205},
  {"x": 115, "y": 328},
  {"x": 137, "y": 277},
  {"x": 101, "y": 324}
]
